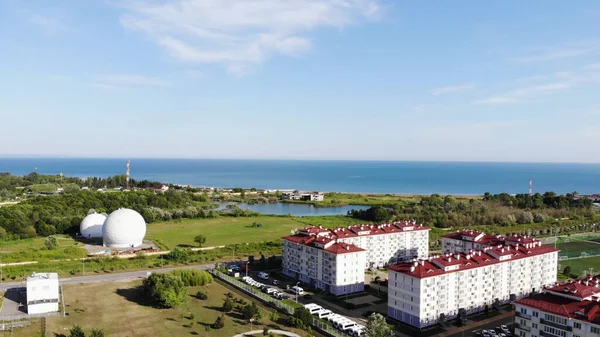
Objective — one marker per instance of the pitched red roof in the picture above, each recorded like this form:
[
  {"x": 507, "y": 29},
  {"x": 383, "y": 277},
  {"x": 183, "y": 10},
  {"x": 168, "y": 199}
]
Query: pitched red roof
[
  {"x": 489, "y": 240},
  {"x": 343, "y": 248},
  {"x": 326, "y": 243},
  {"x": 583, "y": 288},
  {"x": 557, "y": 305},
  {"x": 451, "y": 263}
]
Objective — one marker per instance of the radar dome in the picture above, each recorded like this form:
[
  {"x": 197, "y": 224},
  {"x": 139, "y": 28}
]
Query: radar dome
[
  {"x": 91, "y": 226},
  {"x": 123, "y": 228}
]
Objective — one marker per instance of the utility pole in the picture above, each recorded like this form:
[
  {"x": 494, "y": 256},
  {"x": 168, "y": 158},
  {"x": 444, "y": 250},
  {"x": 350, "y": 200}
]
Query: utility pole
[{"x": 83, "y": 264}]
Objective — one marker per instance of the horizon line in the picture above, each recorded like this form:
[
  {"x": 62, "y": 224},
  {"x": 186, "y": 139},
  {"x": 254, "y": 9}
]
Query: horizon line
[{"x": 30, "y": 156}]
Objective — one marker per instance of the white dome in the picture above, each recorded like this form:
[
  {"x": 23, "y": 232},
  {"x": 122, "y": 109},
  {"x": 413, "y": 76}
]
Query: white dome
[
  {"x": 123, "y": 228},
  {"x": 91, "y": 226}
]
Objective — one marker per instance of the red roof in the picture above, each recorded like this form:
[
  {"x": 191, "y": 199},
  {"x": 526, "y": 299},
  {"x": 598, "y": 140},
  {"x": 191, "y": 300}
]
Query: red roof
[
  {"x": 583, "y": 288},
  {"x": 489, "y": 240},
  {"x": 343, "y": 248},
  {"x": 462, "y": 261},
  {"x": 327, "y": 243},
  {"x": 557, "y": 305}
]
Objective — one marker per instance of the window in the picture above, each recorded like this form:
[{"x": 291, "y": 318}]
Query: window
[
  {"x": 576, "y": 326},
  {"x": 523, "y": 311},
  {"x": 534, "y": 313},
  {"x": 595, "y": 329},
  {"x": 534, "y": 325}
]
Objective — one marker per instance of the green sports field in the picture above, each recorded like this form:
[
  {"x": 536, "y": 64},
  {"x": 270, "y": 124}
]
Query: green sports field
[
  {"x": 576, "y": 248},
  {"x": 578, "y": 266}
]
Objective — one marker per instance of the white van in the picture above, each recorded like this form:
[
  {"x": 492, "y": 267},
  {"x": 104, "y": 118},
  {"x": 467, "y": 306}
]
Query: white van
[
  {"x": 324, "y": 313},
  {"x": 263, "y": 275},
  {"x": 313, "y": 308},
  {"x": 345, "y": 326},
  {"x": 297, "y": 290}
]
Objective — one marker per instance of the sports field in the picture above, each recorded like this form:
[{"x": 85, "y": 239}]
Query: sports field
[
  {"x": 221, "y": 231},
  {"x": 578, "y": 266},
  {"x": 575, "y": 248}
]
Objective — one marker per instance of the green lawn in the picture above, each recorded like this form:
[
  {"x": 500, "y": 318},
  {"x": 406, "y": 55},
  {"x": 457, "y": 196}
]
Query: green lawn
[
  {"x": 34, "y": 250},
  {"x": 575, "y": 248},
  {"x": 221, "y": 231},
  {"x": 578, "y": 266},
  {"x": 119, "y": 309}
]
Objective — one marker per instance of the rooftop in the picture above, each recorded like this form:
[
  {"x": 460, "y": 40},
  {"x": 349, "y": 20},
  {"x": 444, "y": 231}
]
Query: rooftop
[
  {"x": 489, "y": 240},
  {"x": 326, "y": 243},
  {"x": 449, "y": 263},
  {"x": 585, "y": 310},
  {"x": 42, "y": 276},
  {"x": 583, "y": 289}
]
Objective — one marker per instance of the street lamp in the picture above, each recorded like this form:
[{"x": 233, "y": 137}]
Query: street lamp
[
  {"x": 251, "y": 320},
  {"x": 297, "y": 283},
  {"x": 247, "y": 266}
]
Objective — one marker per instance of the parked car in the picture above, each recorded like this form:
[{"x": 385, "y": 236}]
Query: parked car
[
  {"x": 297, "y": 290},
  {"x": 271, "y": 290},
  {"x": 275, "y": 282},
  {"x": 307, "y": 296},
  {"x": 504, "y": 328},
  {"x": 263, "y": 275}
]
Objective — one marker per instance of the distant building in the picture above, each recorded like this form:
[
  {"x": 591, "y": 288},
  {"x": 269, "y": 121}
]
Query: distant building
[
  {"x": 569, "y": 309},
  {"x": 465, "y": 240},
  {"x": 325, "y": 263},
  {"x": 161, "y": 188},
  {"x": 424, "y": 292},
  {"x": 42, "y": 293},
  {"x": 306, "y": 196}
]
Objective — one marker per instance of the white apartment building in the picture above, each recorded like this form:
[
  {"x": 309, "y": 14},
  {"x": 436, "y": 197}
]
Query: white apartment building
[
  {"x": 42, "y": 293},
  {"x": 421, "y": 292},
  {"x": 324, "y": 263},
  {"x": 570, "y": 309},
  {"x": 465, "y": 240}
]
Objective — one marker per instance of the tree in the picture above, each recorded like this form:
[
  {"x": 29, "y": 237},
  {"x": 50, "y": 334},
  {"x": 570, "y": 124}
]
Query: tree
[
  {"x": 567, "y": 271},
  {"x": 97, "y": 333},
  {"x": 274, "y": 316},
  {"x": 201, "y": 295},
  {"x": 219, "y": 323},
  {"x": 525, "y": 218},
  {"x": 227, "y": 304},
  {"x": 165, "y": 290},
  {"x": 250, "y": 310},
  {"x": 265, "y": 331},
  {"x": 76, "y": 331},
  {"x": 51, "y": 243},
  {"x": 303, "y": 315},
  {"x": 200, "y": 239},
  {"x": 259, "y": 316},
  {"x": 378, "y": 327}
]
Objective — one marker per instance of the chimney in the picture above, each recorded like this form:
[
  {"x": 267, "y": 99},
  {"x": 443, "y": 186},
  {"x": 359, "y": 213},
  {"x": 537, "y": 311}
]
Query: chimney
[
  {"x": 412, "y": 269},
  {"x": 415, "y": 263},
  {"x": 422, "y": 262}
]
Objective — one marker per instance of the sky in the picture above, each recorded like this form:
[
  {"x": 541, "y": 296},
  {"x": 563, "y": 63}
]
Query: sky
[{"x": 465, "y": 80}]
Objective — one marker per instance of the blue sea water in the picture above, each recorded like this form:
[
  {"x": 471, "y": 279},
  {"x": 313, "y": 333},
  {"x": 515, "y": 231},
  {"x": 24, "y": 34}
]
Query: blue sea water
[{"x": 340, "y": 176}]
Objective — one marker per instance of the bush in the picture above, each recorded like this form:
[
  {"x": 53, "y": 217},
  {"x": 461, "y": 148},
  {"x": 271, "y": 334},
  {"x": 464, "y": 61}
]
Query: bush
[
  {"x": 538, "y": 218},
  {"x": 76, "y": 331},
  {"x": 525, "y": 218},
  {"x": 274, "y": 316},
  {"x": 97, "y": 333},
  {"x": 193, "y": 277},
  {"x": 178, "y": 255},
  {"x": 567, "y": 271},
  {"x": 219, "y": 323},
  {"x": 265, "y": 331},
  {"x": 165, "y": 290},
  {"x": 304, "y": 316},
  {"x": 250, "y": 310},
  {"x": 201, "y": 295},
  {"x": 227, "y": 305}
]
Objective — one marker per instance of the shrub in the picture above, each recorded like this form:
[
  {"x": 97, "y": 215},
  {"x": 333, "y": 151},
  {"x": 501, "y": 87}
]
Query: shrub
[
  {"x": 304, "y": 316},
  {"x": 274, "y": 316},
  {"x": 178, "y": 255},
  {"x": 219, "y": 323},
  {"x": 165, "y": 290},
  {"x": 567, "y": 271},
  {"x": 97, "y": 333},
  {"x": 227, "y": 305},
  {"x": 525, "y": 218},
  {"x": 201, "y": 295},
  {"x": 251, "y": 310},
  {"x": 193, "y": 277},
  {"x": 76, "y": 331},
  {"x": 265, "y": 331}
]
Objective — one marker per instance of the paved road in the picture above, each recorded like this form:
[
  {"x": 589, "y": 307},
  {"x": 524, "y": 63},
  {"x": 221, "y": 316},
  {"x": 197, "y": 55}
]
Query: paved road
[
  {"x": 109, "y": 277},
  {"x": 507, "y": 321},
  {"x": 279, "y": 332}
]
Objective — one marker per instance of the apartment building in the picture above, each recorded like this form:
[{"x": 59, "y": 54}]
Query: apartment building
[
  {"x": 570, "y": 309},
  {"x": 424, "y": 292},
  {"x": 323, "y": 262},
  {"x": 465, "y": 240}
]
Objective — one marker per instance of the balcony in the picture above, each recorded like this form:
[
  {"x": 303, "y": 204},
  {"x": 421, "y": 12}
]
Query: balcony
[
  {"x": 522, "y": 315},
  {"x": 556, "y": 325},
  {"x": 547, "y": 334},
  {"x": 522, "y": 327}
]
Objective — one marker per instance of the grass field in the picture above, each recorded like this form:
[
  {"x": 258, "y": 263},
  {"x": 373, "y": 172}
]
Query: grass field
[
  {"x": 33, "y": 330},
  {"x": 578, "y": 266},
  {"x": 221, "y": 231},
  {"x": 118, "y": 310},
  {"x": 34, "y": 250},
  {"x": 575, "y": 248}
]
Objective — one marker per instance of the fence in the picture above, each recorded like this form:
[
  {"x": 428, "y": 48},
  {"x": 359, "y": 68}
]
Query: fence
[
  {"x": 316, "y": 323},
  {"x": 13, "y": 325},
  {"x": 254, "y": 291}
]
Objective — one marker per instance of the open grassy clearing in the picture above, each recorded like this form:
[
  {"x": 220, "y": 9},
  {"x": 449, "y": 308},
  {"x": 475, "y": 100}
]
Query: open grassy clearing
[
  {"x": 221, "y": 231},
  {"x": 34, "y": 250},
  {"x": 119, "y": 310},
  {"x": 33, "y": 330}
]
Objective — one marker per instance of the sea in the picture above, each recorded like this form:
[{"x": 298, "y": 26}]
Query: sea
[{"x": 401, "y": 177}]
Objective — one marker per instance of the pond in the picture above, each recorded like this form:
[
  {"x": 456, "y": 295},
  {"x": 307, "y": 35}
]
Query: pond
[{"x": 294, "y": 209}]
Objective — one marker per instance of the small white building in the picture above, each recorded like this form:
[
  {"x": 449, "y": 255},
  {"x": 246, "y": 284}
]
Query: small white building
[{"x": 42, "y": 293}]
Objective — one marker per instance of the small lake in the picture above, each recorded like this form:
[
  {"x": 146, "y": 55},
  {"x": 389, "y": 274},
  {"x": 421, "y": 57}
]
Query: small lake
[{"x": 294, "y": 209}]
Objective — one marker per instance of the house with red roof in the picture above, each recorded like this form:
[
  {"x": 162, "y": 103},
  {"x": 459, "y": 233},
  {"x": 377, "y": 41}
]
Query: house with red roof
[
  {"x": 467, "y": 239},
  {"x": 424, "y": 292},
  {"x": 565, "y": 309}
]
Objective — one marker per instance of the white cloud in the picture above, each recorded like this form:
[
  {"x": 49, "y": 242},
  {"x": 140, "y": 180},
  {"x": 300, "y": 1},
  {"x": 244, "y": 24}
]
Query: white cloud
[
  {"x": 560, "y": 81},
  {"x": 238, "y": 34},
  {"x": 48, "y": 24},
  {"x": 452, "y": 89}
]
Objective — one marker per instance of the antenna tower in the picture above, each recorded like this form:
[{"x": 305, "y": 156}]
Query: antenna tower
[
  {"x": 127, "y": 178},
  {"x": 530, "y": 187}
]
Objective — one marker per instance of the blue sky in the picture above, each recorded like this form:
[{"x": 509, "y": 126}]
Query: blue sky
[{"x": 302, "y": 79}]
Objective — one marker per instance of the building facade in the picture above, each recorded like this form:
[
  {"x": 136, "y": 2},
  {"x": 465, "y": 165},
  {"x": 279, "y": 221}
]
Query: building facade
[
  {"x": 305, "y": 196},
  {"x": 570, "y": 309},
  {"x": 42, "y": 293},
  {"x": 465, "y": 240},
  {"x": 424, "y": 292},
  {"x": 324, "y": 263}
]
